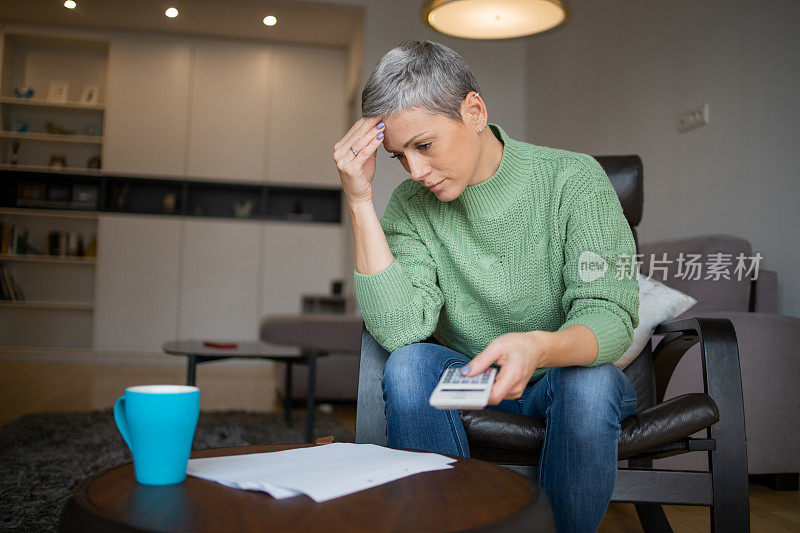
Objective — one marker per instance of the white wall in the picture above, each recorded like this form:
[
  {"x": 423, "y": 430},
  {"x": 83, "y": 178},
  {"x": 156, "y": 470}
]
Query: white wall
[
  {"x": 613, "y": 80},
  {"x": 498, "y": 66}
]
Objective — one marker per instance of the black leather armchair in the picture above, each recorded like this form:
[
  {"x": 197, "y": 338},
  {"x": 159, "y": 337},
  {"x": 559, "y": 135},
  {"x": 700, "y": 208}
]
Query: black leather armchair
[{"x": 660, "y": 427}]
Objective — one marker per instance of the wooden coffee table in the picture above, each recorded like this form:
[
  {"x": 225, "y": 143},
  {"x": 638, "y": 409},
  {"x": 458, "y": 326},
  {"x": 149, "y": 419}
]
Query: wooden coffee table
[{"x": 474, "y": 495}]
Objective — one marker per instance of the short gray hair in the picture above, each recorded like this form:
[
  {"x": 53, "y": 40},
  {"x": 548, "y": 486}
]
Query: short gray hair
[{"x": 418, "y": 74}]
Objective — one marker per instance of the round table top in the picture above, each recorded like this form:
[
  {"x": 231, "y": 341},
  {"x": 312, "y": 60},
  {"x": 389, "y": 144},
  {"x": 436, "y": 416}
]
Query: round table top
[
  {"x": 244, "y": 348},
  {"x": 473, "y": 494}
]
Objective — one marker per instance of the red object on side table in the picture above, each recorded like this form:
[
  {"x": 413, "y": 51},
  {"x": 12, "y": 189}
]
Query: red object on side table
[{"x": 212, "y": 344}]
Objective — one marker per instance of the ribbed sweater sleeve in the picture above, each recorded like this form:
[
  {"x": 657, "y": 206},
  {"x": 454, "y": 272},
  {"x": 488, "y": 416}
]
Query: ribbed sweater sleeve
[
  {"x": 595, "y": 226},
  {"x": 401, "y": 303}
]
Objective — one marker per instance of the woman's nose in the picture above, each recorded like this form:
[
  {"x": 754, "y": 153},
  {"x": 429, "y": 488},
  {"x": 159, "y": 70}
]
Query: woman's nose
[{"x": 417, "y": 169}]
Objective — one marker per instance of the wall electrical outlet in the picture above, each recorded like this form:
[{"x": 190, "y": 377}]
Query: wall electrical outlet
[{"x": 694, "y": 118}]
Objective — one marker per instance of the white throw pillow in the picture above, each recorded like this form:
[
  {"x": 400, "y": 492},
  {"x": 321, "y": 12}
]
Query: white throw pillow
[{"x": 657, "y": 303}]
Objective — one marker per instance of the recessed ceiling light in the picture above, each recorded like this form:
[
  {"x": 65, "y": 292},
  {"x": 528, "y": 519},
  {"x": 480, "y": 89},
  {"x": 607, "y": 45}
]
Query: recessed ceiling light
[
  {"x": 171, "y": 12},
  {"x": 270, "y": 20},
  {"x": 70, "y": 4}
]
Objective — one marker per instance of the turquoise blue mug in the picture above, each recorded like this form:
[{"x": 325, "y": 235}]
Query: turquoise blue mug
[{"x": 158, "y": 423}]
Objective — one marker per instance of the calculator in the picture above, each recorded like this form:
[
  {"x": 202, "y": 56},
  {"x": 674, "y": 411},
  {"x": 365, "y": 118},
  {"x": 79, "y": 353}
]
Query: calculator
[{"x": 455, "y": 391}]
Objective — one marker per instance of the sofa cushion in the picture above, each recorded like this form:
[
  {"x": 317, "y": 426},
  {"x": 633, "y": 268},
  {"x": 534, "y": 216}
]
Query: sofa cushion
[
  {"x": 327, "y": 332},
  {"x": 657, "y": 303},
  {"x": 663, "y": 424},
  {"x": 711, "y": 294}
]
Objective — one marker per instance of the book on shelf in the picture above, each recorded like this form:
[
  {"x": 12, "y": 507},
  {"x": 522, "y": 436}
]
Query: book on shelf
[
  {"x": 65, "y": 243},
  {"x": 13, "y": 239},
  {"x": 11, "y": 289},
  {"x": 5, "y": 237}
]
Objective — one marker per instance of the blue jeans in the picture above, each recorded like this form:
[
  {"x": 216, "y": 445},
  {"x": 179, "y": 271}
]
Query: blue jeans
[{"x": 582, "y": 408}]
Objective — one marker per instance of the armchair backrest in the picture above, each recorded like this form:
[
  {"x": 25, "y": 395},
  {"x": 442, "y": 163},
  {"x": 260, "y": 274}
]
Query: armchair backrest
[{"x": 626, "y": 176}]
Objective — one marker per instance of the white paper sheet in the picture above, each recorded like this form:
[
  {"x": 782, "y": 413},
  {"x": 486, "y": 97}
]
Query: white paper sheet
[{"x": 321, "y": 472}]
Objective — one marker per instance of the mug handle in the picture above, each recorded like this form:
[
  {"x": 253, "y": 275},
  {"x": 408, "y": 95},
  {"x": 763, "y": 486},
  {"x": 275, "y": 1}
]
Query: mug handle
[{"x": 122, "y": 422}]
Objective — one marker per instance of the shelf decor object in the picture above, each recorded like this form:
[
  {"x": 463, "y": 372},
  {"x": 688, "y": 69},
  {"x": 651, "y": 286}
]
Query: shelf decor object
[
  {"x": 58, "y": 91},
  {"x": 26, "y": 92},
  {"x": 90, "y": 95},
  {"x": 58, "y": 161},
  {"x": 169, "y": 202},
  {"x": 31, "y": 194},
  {"x": 494, "y": 19},
  {"x": 84, "y": 196},
  {"x": 54, "y": 128}
]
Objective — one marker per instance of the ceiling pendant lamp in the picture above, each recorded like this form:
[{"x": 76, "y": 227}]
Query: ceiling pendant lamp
[{"x": 494, "y": 19}]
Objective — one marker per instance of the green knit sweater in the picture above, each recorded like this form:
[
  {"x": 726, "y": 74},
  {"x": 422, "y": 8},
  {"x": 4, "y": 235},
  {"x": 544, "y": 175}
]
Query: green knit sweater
[{"x": 504, "y": 257}]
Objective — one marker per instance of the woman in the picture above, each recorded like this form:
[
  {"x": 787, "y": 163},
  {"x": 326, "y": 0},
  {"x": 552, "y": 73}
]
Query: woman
[{"x": 482, "y": 248}]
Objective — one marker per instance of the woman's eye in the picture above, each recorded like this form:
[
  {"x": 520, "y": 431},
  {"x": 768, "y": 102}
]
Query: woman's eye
[{"x": 421, "y": 147}]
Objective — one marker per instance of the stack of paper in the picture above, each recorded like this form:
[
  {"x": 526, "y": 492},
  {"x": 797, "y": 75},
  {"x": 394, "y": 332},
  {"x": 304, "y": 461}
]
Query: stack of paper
[{"x": 321, "y": 472}]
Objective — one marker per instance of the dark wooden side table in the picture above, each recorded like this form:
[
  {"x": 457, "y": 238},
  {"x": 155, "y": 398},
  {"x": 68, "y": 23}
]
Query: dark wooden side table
[
  {"x": 474, "y": 495},
  {"x": 197, "y": 353}
]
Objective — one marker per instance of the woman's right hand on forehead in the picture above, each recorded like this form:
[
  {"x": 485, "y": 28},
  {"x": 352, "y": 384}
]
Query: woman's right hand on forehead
[{"x": 357, "y": 170}]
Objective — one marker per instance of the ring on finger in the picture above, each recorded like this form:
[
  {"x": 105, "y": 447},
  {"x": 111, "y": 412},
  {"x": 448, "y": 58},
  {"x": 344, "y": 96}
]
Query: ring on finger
[{"x": 354, "y": 152}]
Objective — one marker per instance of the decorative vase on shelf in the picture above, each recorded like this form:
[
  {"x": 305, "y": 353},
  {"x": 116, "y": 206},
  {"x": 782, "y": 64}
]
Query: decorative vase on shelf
[
  {"x": 169, "y": 202},
  {"x": 58, "y": 162},
  {"x": 243, "y": 209},
  {"x": 122, "y": 194},
  {"x": 14, "y": 160},
  {"x": 24, "y": 93},
  {"x": 57, "y": 129}
]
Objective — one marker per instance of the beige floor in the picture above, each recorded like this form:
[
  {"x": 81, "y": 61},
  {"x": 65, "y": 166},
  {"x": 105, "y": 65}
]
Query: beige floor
[{"x": 27, "y": 387}]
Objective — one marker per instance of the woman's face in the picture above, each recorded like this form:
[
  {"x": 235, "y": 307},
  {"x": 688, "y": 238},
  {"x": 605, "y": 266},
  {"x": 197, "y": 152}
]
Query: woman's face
[{"x": 438, "y": 152}]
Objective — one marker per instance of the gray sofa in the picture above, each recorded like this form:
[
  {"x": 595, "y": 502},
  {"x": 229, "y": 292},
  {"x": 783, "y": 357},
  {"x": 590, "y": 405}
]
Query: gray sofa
[
  {"x": 768, "y": 352},
  {"x": 768, "y": 345},
  {"x": 336, "y": 335}
]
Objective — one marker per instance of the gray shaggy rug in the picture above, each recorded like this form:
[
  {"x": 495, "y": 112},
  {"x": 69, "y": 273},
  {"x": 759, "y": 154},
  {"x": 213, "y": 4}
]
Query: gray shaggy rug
[{"x": 43, "y": 457}]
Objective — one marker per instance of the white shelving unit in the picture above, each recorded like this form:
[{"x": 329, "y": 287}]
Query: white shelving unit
[
  {"x": 58, "y": 310},
  {"x": 28, "y": 127}
]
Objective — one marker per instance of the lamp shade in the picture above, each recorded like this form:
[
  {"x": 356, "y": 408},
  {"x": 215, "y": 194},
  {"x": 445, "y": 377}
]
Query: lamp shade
[{"x": 494, "y": 19}]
